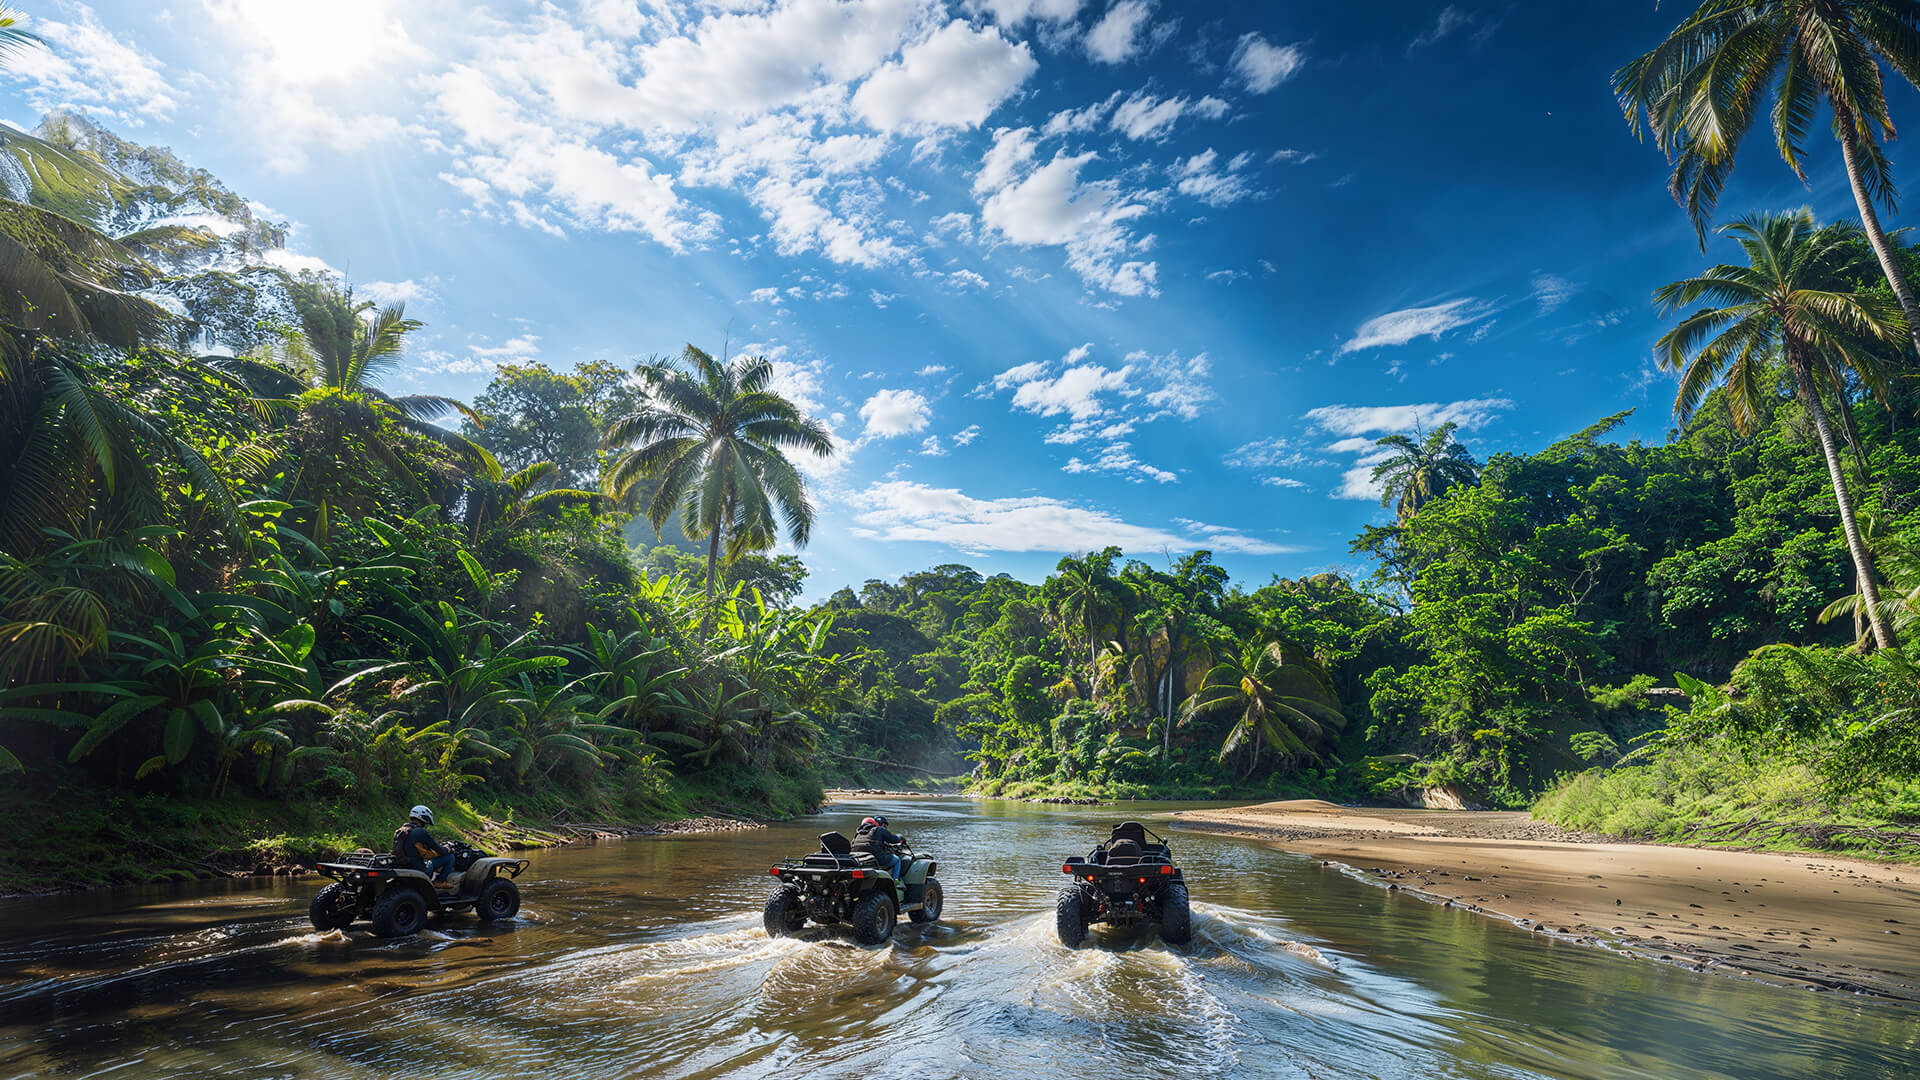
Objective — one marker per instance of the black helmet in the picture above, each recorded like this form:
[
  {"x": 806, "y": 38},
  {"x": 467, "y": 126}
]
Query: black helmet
[{"x": 880, "y": 820}]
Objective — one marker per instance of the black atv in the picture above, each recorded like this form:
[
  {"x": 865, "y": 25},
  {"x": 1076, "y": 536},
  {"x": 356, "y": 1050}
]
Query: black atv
[
  {"x": 398, "y": 899},
  {"x": 1128, "y": 880},
  {"x": 834, "y": 885}
]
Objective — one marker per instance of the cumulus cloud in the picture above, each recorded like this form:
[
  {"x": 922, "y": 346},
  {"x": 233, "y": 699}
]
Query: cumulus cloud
[
  {"x": 1053, "y": 207},
  {"x": 1401, "y": 327},
  {"x": 966, "y": 435},
  {"x": 392, "y": 292},
  {"x": 953, "y": 79},
  {"x": 1143, "y": 116},
  {"x": 1012, "y": 13},
  {"x": 1205, "y": 178},
  {"x": 85, "y": 67},
  {"x": 1117, "y": 35},
  {"x": 899, "y": 510},
  {"x": 892, "y": 413},
  {"x": 1260, "y": 65},
  {"x": 1077, "y": 392}
]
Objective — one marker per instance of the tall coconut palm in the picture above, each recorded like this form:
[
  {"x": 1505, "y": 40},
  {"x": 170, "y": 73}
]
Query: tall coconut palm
[
  {"x": 1701, "y": 90},
  {"x": 1284, "y": 702},
  {"x": 346, "y": 345},
  {"x": 1419, "y": 472},
  {"x": 716, "y": 437},
  {"x": 14, "y": 38},
  {"x": 1793, "y": 302}
]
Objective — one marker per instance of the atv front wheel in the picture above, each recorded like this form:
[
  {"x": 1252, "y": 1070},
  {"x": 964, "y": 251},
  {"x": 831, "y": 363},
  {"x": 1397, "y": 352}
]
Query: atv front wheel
[
  {"x": 1176, "y": 917},
  {"x": 499, "y": 899},
  {"x": 929, "y": 904},
  {"x": 785, "y": 913},
  {"x": 400, "y": 913},
  {"x": 1069, "y": 917},
  {"x": 334, "y": 907},
  {"x": 873, "y": 919}
]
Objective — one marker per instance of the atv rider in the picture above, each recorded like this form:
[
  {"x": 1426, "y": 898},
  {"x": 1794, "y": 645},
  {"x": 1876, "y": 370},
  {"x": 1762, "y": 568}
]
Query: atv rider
[
  {"x": 874, "y": 839},
  {"x": 416, "y": 849}
]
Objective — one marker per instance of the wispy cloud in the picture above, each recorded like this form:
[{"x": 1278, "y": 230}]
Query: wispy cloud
[
  {"x": 1401, "y": 327},
  {"x": 901, "y": 510}
]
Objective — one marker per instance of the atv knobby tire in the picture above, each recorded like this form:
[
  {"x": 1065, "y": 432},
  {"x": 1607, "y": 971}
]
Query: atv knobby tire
[
  {"x": 402, "y": 912},
  {"x": 1070, "y": 917},
  {"x": 499, "y": 899},
  {"x": 1176, "y": 916},
  {"x": 785, "y": 913},
  {"x": 930, "y": 903},
  {"x": 873, "y": 919},
  {"x": 333, "y": 908}
]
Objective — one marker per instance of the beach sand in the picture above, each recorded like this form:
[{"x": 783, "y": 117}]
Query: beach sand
[{"x": 1823, "y": 922}]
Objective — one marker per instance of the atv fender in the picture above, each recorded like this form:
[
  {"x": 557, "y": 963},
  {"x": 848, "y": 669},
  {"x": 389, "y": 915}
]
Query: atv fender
[
  {"x": 915, "y": 873},
  {"x": 474, "y": 878}
]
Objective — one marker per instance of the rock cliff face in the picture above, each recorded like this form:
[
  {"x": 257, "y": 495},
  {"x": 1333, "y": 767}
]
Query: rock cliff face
[{"x": 210, "y": 256}]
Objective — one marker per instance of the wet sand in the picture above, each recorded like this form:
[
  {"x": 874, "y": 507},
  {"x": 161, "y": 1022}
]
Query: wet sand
[{"x": 1824, "y": 922}]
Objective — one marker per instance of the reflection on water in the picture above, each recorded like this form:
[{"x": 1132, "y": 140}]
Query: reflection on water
[{"x": 646, "y": 959}]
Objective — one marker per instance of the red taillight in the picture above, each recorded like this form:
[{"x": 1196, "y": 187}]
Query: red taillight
[
  {"x": 1166, "y": 871},
  {"x": 1066, "y": 869},
  {"x": 774, "y": 870},
  {"x": 1143, "y": 881},
  {"x": 858, "y": 874},
  {"x": 1089, "y": 877}
]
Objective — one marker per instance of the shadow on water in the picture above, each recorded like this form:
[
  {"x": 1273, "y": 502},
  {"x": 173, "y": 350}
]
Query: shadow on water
[{"x": 646, "y": 959}]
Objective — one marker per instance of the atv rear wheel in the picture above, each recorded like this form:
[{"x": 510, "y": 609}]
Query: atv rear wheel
[
  {"x": 785, "y": 913},
  {"x": 1176, "y": 916},
  {"x": 499, "y": 899},
  {"x": 1069, "y": 917},
  {"x": 930, "y": 904},
  {"x": 334, "y": 907},
  {"x": 873, "y": 919},
  {"x": 400, "y": 913}
]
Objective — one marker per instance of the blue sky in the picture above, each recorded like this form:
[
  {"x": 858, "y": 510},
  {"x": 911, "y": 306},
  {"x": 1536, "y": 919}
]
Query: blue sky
[{"x": 1059, "y": 273}]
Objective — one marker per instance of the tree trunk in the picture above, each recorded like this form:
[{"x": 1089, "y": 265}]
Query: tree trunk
[
  {"x": 713, "y": 560},
  {"x": 1862, "y": 562},
  {"x": 1870, "y": 221}
]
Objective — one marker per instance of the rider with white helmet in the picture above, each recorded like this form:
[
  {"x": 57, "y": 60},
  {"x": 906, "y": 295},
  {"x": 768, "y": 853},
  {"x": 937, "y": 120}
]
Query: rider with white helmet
[{"x": 414, "y": 847}]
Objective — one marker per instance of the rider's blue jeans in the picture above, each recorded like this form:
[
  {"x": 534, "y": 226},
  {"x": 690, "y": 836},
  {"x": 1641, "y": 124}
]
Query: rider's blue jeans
[{"x": 440, "y": 866}]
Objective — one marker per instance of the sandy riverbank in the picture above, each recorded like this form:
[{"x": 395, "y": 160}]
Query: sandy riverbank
[{"x": 1823, "y": 922}]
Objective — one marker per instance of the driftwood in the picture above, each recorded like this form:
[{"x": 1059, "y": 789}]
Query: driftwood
[
  {"x": 1883, "y": 838},
  {"x": 886, "y": 764}
]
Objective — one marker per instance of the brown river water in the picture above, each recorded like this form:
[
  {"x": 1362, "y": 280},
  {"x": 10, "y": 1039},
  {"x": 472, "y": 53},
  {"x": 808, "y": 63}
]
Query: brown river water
[{"x": 646, "y": 958}]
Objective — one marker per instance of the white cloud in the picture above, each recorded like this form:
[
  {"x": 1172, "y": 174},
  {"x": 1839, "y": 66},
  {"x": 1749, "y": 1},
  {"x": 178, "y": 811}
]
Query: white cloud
[
  {"x": 930, "y": 447},
  {"x": 1076, "y": 391},
  {"x": 1012, "y": 149},
  {"x": 523, "y": 347},
  {"x": 392, "y": 292},
  {"x": 891, "y": 413},
  {"x": 1071, "y": 121},
  {"x": 84, "y": 66},
  {"x": 1020, "y": 373},
  {"x": 956, "y": 224},
  {"x": 1283, "y": 482},
  {"x": 1291, "y": 157},
  {"x": 1117, "y": 35},
  {"x": 1261, "y": 65},
  {"x": 1143, "y": 116},
  {"x": 931, "y": 370},
  {"x": 768, "y": 295},
  {"x": 1551, "y": 291},
  {"x": 963, "y": 280},
  {"x": 1198, "y": 178},
  {"x": 1363, "y": 424},
  {"x": 1401, "y": 327},
  {"x": 1118, "y": 458},
  {"x": 1180, "y": 386},
  {"x": 953, "y": 79},
  {"x": 966, "y": 435},
  {"x": 1052, "y": 207},
  {"x": 899, "y": 510},
  {"x": 1451, "y": 19},
  {"x": 1011, "y": 13},
  {"x": 1278, "y": 452}
]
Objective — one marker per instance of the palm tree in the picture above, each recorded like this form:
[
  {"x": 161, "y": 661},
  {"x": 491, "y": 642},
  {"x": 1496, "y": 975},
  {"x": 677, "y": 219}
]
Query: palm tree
[
  {"x": 1701, "y": 89},
  {"x": 716, "y": 436},
  {"x": 1418, "y": 472},
  {"x": 1286, "y": 705},
  {"x": 514, "y": 500},
  {"x": 14, "y": 38},
  {"x": 1793, "y": 302}
]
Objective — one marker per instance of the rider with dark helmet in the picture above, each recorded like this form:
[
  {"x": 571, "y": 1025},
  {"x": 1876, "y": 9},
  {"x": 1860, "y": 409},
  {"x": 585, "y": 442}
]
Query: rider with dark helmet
[
  {"x": 874, "y": 839},
  {"x": 415, "y": 848}
]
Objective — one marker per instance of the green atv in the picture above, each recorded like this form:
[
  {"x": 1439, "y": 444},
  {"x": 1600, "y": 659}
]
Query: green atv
[{"x": 834, "y": 885}]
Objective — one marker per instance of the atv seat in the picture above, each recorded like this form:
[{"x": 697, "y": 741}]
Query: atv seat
[
  {"x": 1129, "y": 830},
  {"x": 1123, "y": 853}
]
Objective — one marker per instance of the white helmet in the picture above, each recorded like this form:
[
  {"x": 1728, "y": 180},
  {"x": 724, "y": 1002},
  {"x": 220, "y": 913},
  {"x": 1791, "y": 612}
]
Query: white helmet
[{"x": 421, "y": 814}]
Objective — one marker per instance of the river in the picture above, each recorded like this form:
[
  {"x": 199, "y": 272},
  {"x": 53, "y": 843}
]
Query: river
[{"x": 646, "y": 958}]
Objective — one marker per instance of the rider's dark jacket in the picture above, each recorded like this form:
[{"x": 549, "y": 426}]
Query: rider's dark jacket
[
  {"x": 874, "y": 839},
  {"x": 412, "y": 844}
]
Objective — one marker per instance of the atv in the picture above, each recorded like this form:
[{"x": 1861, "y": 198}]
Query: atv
[
  {"x": 398, "y": 899},
  {"x": 834, "y": 885},
  {"x": 1128, "y": 880}
]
